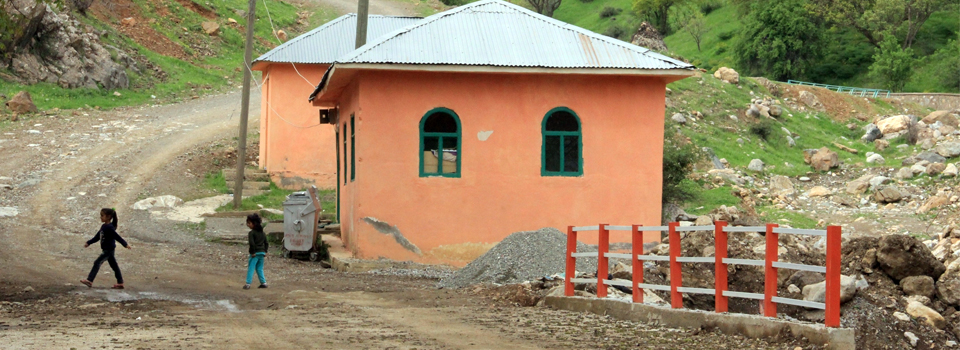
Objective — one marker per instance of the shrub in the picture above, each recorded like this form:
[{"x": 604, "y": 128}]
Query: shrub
[
  {"x": 721, "y": 48},
  {"x": 709, "y": 6},
  {"x": 615, "y": 32},
  {"x": 724, "y": 36},
  {"x": 678, "y": 161},
  {"x": 610, "y": 12},
  {"x": 892, "y": 64},
  {"x": 763, "y": 129}
]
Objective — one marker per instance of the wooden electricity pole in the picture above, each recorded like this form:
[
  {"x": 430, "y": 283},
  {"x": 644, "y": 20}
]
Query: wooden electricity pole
[
  {"x": 245, "y": 107},
  {"x": 362, "y": 9}
]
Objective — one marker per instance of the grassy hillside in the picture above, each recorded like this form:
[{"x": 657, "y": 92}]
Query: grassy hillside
[
  {"x": 176, "y": 59},
  {"x": 587, "y": 14}
]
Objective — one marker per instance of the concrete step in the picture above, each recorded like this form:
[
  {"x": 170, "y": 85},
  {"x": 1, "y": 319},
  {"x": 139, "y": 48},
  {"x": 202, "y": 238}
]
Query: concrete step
[
  {"x": 250, "y": 192},
  {"x": 253, "y": 185}
]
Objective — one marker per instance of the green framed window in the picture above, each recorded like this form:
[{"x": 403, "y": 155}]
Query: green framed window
[
  {"x": 353, "y": 150},
  {"x": 562, "y": 144},
  {"x": 337, "y": 144},
  {"x": 440, "y": 144},
  {"x": 345, "y": 164}
]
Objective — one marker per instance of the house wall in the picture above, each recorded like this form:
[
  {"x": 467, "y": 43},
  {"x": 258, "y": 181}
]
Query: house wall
[
  {"x": 294, "y": 149},
  {"x": 397, "y": 214}
]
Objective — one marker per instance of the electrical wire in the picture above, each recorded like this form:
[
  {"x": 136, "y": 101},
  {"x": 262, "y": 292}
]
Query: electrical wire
[{"x": 274, "y": 31}]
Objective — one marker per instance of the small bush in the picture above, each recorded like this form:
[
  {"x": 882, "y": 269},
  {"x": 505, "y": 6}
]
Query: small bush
[
  {"x": 678, "y": 161},
  {"x": 721, "y": 48},
  {"x": 724, "y": 36},
  {"x": 615, "y": 32},
  {"x": 762, "y": 129},
  {"x": 610, "y": 12},
  {"x": 709, "y": 6}
]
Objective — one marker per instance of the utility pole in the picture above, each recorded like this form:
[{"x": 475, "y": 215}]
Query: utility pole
[
  {"x": 245, "y": 107},
  {"x": 362, "y": 9}
]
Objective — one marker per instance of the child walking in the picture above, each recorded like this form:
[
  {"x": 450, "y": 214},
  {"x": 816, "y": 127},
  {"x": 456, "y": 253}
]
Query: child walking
[
  {"x": 108, "y": 237},
  {"x": 258, "y": 250}
]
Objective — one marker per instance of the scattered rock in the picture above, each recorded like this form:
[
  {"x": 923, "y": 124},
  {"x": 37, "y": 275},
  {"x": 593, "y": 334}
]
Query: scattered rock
[
  {"x": 129, "y": 21},
  {"x": 808, "y": 155},
  {"x": 727, "y": 75},
  {"x": 28, "y": 289},
  {"x": 775, "y": 111},
  {"x": 933, "y": 203},
  {"x": 158, "y": 202},
  {"x": 948, "y": 149},
  {"x": 793, "y": 288},
  {"x": 944, "y": 117},
  {"x": 282, "y": 35},
  {"x": 679, "y": 118},
  {"x": 904, "y": 173},
  {"x": 231, "y": 21},
  {"x": 894, "y": 124},
  {"x": 825, "y": 159},
  {"x": 755, "y": 165},
  {"x": 948, "y": 285},
  {"x": 647, "y": 36},
  {"x": 22, "y": 103},
  {"x": 901, "y": 316},
  {"x": 819, "y": 191},
  {"x": 845, "y": 148},
  {"x": 860, "y": 185},
  {"x": 876, "y": 159},
  {"x": 752, "y": 112},
  {"x": 902, "y": 256},
  {"x": 211, "y": 28},
  {"x": 880, "y": 145},
  {"x": 936, "y": 168},
  {"x": 817, "y": 292},
  {"x": 804, "y": 278},
  {"x": 781, "y": 186},
  {"x": 876, "y": 181},
  {"x": 810, "y": 100},
  {"x": 950, "y": 170},
  {"x": 871, "y": 133},
  {"x": 8, "y": 212},
  {"x": 918, "y": 169},
  {"x": 933, "y": 318},
  {"x": 918, "y": 285}
]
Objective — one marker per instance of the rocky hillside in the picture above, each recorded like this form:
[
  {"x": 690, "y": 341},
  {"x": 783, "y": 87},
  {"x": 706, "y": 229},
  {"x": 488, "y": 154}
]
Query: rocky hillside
[{"x": 124, "y": 52}]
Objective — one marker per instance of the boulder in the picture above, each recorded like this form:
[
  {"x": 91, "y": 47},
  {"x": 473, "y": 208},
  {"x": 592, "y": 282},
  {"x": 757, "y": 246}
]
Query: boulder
[
  {"x": 231, "y": 21},
  {"x": 775, "y": 111},
  {"x": 728, "y": 75},
  {"x": 804, "y": 278},
  {"x": 933, "y": 203},
  {"x": 948, "y": 149},
  {"x": 871, "y": 133},
  {"x": 932, "y": 318},
  {"x": 623, "y": 271},
  {"x": 129, "y": 21},
  {"x": 944, "y": 117},
  {"x": 808, "y": 155},
  {"x": 918, "y": 285},
  {"x": 876, "y": 159},
  {"x": 752, "y": 112},
  {"x": 22, "y": 103},
  {"x": 678, "y": 118},
  {"x": 894, "y": 124},
  {"x": 158, "y": 202},
  {"x": 647, "y": 36},
  {"x": 819, "y": 191},
  {"x": 811, "y": 100},
  {"x": 781, "y": 186},
  {"x": 950, "y": 170},
  {"x": 755, "y": 165},
  {"x": 918, "y": 168},
  {"x": 211, "y": 28},
  {"x": 825, "y": 159},
  {"x": 936, "y": 168},
  {"x": 927, "y": 156},
  {"x": 902, "y": 256},
  {"x": 876, "y": 181},
  {"x": 282, "y": 35},
  {"x": 817, "y": 292},
  {"x": 948, "y": 285},
  {"x": 904, "y": 173}
]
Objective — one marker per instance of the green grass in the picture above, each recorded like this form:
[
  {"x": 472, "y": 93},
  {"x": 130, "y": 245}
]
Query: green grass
[
  {"x": 778, "y": 216},
  {"x": 272, "y": 199},
  {"x": 587, "y": 15},
  {"x": 716, "y": 43},
  {"x": 711, "y": 199},
  {"x": 216, "y": 182}
]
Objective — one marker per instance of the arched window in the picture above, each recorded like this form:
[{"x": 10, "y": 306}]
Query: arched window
[
  {"x": 562, "y": 144},
  {"x": 440, "y": 143}
]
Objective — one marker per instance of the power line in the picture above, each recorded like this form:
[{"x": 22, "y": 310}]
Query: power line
[{"x": 274, "y": 31}]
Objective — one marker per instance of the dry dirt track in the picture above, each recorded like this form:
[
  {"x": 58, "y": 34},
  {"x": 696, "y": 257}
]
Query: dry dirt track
[{"x": 184, "y": 292}]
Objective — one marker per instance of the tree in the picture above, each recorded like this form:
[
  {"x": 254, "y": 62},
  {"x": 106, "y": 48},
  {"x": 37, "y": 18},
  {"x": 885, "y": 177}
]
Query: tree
[
  {"x": 657, "y": 11},
  {"x": 690, "y": 20},
  {"x": 872, "y": 18},
  {"x": 892, "y": 63},
  {"x": 545, "y": 7},
  {"x": 779, "y": 39}
]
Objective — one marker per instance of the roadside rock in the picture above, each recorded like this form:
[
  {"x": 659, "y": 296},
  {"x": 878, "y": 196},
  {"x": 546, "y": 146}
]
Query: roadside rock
[
  {"x": 678, "y": 118},
  {"x": 948, "y": 286},
  {"x": 8, "y": 212},
  {"x": 880, "y": 145},
  {"x": 819, "y": 191},
  {"x": 871, "y": 133},
  {"x": 808, "y": 155},
  {"x": 810, "y": 100},
  {"x": 804, "y": 278},
  {"x": 933, "y": 318},
  {"x": 158, "y": 202},
  {"x": 912, "y": 338},
  {"x": 944, "y": 117},
  {"x": 918, "y": 285},
  {"x": 927, "y": 156},
  {"x": 904, "y": 173},
  {"x": 876, "y": 181},
  {"x": 22, "y": 103},
  {"x": 933, "y": 203},
  {"x": 755, "y": 165},
  {"x": 936, "y": 168},
  {"x": 727, "y": 75},
  {"x": 781, "y": 186},
  {"x": 894, "y": 124},
  {"x": 211, "y": 28},
  {"x": 775, "y": 111},
  {"x": 948, "y": 149},
  {"x": 902, "y": 256},
  {"x": 876, "y": 159},
  {"x": 950, "y": 170},
  {"x": 860, "y": 185},
  {"x": 825, "y": 159},
  {"x": 818, "y": 292},
  {"x": 888, "y": 194}
]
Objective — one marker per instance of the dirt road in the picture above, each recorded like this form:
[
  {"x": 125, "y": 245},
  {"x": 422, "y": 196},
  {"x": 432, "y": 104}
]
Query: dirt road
[{"x": 184, "y": 292}]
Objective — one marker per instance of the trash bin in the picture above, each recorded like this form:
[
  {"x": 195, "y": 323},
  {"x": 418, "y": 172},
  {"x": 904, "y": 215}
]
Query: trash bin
[{"x": 301, "y": 211}]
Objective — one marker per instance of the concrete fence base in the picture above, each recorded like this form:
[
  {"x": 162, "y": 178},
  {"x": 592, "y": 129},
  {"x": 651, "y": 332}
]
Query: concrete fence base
[{"x": 730, "y": 323}]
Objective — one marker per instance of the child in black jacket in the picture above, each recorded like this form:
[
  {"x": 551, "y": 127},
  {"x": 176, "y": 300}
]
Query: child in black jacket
[{"x": 108, "y": 237}]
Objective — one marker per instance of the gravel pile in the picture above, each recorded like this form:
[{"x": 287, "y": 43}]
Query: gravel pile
[{"x": 520, "y": 257}]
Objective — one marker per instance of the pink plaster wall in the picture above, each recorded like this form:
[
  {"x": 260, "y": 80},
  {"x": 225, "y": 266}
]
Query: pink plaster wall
[
  {"x": 293, "y": 147},
  {"x": 500, "y": 190}
]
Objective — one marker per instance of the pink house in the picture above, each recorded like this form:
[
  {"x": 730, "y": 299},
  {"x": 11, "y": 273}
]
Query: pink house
[
  {"x": 294, "y": 149},
  {"x": 488, "y": 119}
]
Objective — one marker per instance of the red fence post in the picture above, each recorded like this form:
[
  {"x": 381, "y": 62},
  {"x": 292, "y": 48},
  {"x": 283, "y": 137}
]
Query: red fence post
[
  {"x": 832, "y": 318},
  {"x": 676, "y": 278},
  {"x": 636, "y": 264},
  {"x": 720, "y": 268},
  {"x": 603, "y": 263},
  {"x": 770, "y": 272},
  {"x": 571, "y": 262}
]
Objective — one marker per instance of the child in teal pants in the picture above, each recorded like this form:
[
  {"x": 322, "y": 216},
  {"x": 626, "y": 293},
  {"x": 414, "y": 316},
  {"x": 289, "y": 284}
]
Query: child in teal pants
[{"x": 258, "y": 250}]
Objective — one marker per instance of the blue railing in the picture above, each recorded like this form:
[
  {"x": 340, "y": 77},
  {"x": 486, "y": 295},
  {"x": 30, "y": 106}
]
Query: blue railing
[{"x": 862, "y": 92}]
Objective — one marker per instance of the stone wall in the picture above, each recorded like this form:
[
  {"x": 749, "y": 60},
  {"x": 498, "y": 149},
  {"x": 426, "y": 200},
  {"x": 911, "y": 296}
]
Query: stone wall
[{"x": 931, "y": 100}]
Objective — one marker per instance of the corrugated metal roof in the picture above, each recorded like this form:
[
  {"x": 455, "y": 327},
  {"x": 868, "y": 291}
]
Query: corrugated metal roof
[
  {"x": 497, "y": 33},
  {"x": 328, "y": 42}
]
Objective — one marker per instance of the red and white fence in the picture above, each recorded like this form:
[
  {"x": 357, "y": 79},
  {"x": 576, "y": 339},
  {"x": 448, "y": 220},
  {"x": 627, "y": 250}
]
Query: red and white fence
[{"x": 720, "y": 261}]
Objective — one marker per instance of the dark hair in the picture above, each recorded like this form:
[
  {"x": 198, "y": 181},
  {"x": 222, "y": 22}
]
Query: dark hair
[
  {"x": 110, "y": 213},
  {"x": 256, "y": 221}
]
